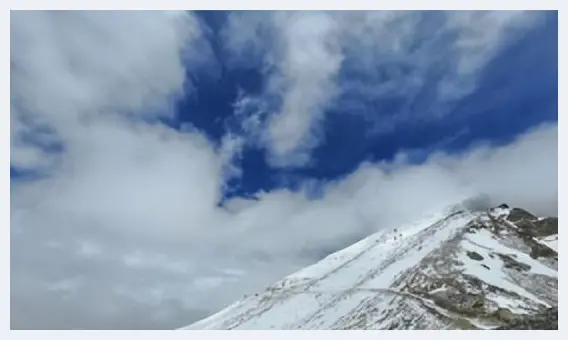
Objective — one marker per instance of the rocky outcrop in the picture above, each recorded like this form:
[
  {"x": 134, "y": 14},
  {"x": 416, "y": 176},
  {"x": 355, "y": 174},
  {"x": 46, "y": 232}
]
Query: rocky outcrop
[
  {"x": 547, "y": 226},
  {"x": 546, "y": 320},
  {"x": 517, "y": 215}
]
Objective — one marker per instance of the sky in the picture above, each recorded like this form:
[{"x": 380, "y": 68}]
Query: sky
[{"x": 164, "y": 164}]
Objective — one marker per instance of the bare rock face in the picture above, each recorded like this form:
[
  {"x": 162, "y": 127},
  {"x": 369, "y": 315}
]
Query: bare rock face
[
  {"x": 517, "y": 215},
  {"x": 546, "y": 320},
  {"x": 471, "y": 269},
  {"x": 547, "y": 226}
]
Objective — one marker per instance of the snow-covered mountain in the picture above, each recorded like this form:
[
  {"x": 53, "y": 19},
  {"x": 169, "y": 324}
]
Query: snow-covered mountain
[{"x": 462, "y": 270}]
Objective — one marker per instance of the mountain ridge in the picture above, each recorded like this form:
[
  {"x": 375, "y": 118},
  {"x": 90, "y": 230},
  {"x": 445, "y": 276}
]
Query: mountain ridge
[{"x": 459, "y": 269}]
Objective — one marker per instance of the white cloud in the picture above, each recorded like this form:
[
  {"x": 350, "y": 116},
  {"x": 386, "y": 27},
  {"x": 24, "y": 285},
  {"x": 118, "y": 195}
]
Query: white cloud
[
  {"x": 453, "y": 45},
  {"x": 480, "y": 35},
  {"x": 125, "y": 228},
  {"x": 87, "y": 65},
  {"x": 304, "y": 60},
  {"x": 306, "y": 81},
  {"x": 88, "y": 80}
]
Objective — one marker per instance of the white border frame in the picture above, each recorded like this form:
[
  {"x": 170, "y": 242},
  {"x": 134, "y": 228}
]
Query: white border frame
[{"x": 254, "y": 4}]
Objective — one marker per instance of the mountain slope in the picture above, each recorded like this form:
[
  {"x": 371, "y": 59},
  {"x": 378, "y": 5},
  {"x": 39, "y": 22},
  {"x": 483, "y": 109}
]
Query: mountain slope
[{"x": 473, "y": 270}]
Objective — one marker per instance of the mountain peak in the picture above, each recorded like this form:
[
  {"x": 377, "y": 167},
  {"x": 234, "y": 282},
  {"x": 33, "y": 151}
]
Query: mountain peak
[{"x": 469, "y": 269}]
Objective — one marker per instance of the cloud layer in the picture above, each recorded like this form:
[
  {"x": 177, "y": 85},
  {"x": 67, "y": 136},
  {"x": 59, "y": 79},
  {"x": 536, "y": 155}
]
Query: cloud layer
[{"x": 123, "y": 228}]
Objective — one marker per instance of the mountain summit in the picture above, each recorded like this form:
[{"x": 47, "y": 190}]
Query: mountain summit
[{"x": 490, "y": 269}]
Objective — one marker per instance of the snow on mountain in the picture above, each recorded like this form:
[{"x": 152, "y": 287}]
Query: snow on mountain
[{"x": 465, "y": 270}]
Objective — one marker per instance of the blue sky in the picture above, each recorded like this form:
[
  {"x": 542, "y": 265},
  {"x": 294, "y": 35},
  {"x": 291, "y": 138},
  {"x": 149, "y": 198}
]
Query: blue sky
[
  {"x": 165, "y": 164},
  {"x": 516, "y": 90}
]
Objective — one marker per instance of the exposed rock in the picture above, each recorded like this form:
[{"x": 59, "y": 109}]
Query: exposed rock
[
  {"x": 527, "y": 228},
  {"x": 474, "y": 256},
  {"x": 518, "y": 214},
  {"x": 462, "y": 303},
  {"x": 540, "y": 250},
  {"x": 547, "y": 226},
  {"x": 463, "y": 324},
  {"x": 510, "y": 262},
  {"x": 546, "y": 320},
  {"x": 505, "y": 314}
]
